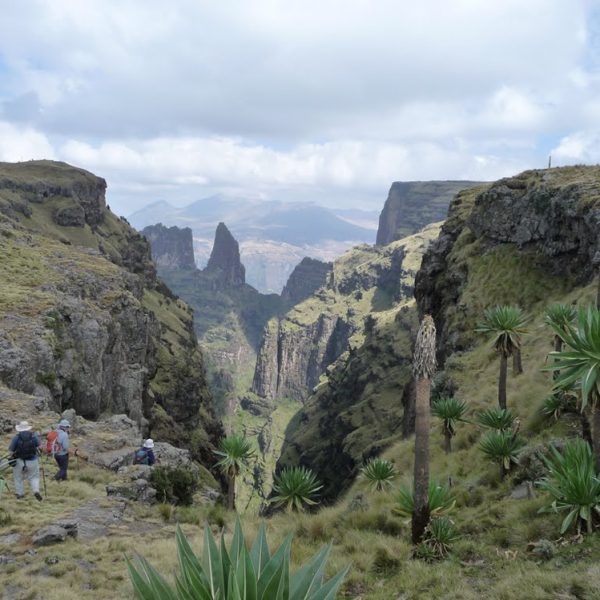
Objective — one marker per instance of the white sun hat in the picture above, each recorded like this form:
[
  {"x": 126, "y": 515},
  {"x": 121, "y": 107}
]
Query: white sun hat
[
  {"x": 64, "y": 423},
  {"x": 149, "y": 443},
  {"x": 23, "y": 426}
]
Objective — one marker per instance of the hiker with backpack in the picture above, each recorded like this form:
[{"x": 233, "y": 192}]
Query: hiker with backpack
[
  {"x": 145, "y": 454},
  {"x": 59, "y": 448},
  {"x": 24, "y": 447}
]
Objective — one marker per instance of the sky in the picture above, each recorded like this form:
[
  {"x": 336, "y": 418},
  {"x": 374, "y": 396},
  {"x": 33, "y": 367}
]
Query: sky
[{"x": 327, "y": 101}]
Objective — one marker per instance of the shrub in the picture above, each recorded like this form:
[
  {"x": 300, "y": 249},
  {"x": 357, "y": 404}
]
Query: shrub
[
  {"x": 439, "y": 536},
  {"x": 295, "y": 487},
  {"x": 441, "y": 500},
  {"x": 496, "y": 418},
  {"x": 166, "y": 511},
  {"x": 237, "y": 574},
  {"x": 174, "y": 485},
  {"x": 503, "y": 447},
  {"x": 573, "y": 484},
  {"x": 379, "y": 473}
]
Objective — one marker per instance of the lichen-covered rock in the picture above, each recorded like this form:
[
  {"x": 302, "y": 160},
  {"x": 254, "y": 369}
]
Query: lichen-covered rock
[
  {"x": 52, "y": 534},
  {"x": 139, "y": 490}
]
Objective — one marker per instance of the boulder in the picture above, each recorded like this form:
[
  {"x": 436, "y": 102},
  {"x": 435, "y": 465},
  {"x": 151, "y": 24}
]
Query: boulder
[
  {"x": 10, "y": 539},
  {"x": 139, "y": 490},
  {"x": 71, "y": 526},
  {"x": 113, "y": 459},
  {"x": 53, "y": 534}
]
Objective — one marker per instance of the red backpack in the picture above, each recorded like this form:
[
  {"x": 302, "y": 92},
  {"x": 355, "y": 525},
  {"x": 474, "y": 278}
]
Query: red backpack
[{"x": 52, "y": 446}]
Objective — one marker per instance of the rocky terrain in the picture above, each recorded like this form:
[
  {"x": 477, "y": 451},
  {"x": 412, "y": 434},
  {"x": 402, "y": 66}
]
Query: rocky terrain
[
  {"x": 84, "y": 321},
  {"x": 411, "y": 205}
]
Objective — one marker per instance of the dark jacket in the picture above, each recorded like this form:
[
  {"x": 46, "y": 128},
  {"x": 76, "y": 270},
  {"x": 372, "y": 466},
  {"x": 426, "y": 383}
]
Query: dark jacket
[{"x": 30, "y": 439}]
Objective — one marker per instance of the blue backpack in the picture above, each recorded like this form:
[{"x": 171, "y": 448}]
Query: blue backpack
[{"x": 141, "y": 457}]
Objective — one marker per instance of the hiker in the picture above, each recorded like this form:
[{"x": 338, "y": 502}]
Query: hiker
[
  {"x": 24, "y": 448},
  {"x": 61, "y": 454},
  {"x": 145, "y": 454}
]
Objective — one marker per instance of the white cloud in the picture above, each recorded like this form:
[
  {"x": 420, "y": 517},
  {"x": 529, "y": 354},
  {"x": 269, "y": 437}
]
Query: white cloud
[
  {"x": 23, "y": 143},
  {"x": 579, "y": 147},
  {"x": 331, "y": 100}
]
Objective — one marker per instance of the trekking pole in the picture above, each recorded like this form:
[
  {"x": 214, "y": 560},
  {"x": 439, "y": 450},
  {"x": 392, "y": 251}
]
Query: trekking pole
[{"x": 44, "y": 479}]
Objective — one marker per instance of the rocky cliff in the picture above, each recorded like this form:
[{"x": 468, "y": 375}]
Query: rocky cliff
[
  {"x": 172, "y": 247},
  {"x": 306, "y": 278},
  {"x": 229, "y": 314},
  {"x": 359, "y": 410},
  {"x": 84, "y": 322},
  {"x": 224, "y": 259},
  {"x": 297, "y": 349},
  {"x": 518, "y": 240},
  {"x": 411, "y": 205}
]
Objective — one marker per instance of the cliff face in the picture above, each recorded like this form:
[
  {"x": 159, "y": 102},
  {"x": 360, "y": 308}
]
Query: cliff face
[
  {"x": 411, "y": 205},
  {"x": 297, "y": 348},
  {"x": 306, "y": 278},
  {"x": 516, "y": 241},
  {"x": 225, "y": 260},
  {"x": 83, "y": 320},
  {"x": 172, "y": 248}
]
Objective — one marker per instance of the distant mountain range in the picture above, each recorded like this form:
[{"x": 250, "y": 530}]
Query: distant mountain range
[{"x": 273, "y": 236}]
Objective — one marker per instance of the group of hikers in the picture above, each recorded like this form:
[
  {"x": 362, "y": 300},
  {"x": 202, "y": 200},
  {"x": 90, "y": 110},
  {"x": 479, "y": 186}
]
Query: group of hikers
[{"x": 26, "y": 447}]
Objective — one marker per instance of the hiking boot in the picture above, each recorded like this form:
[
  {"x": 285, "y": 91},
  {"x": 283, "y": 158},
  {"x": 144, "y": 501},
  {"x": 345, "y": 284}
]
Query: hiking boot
[
  {"x": 20, "y": 496},
  {"x": 38, "y": 496}
]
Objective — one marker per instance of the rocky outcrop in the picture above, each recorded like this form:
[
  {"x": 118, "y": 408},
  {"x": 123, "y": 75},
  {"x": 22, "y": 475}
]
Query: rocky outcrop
[
  {"x": 172, "y": 247},
  {"x": 306, "y": 278},
  {"x": 84, "y": 322},
  {"x": 543, "y": 224},
  {"x": 297, "y": 349},
  {"x": 411, "y": 205},
  {"x": 293, "y": 357},
  {"x": 224, "y": 259}
]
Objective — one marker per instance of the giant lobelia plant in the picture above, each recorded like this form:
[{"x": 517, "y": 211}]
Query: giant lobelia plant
[{"x": 237, "y": 573}]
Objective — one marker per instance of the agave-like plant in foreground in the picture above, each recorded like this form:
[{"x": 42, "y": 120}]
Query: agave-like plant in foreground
[
  {"x": 237, "y": 574},
  {"x": 295, "y": 487},
  {"x": 574, "y": 486},
  {"x": 450, "y": 411},
  {"x": 379, "y": 473}
]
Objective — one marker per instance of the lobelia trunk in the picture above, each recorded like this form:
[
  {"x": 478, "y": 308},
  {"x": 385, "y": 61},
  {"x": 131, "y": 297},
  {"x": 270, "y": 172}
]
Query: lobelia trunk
[
  {"x": 408, "y": 418},
  {"x": 447, "y": 440},
  {"x": 502, "y": 381},
  {"x": 517, "y": 362},
  {"x": 586, "y": 429},
  {"x": 420, "y": 517},
  {"x": 231, "y": 493},
  {"x": 557, "y": 348},
  {"x": 596, "y": 434}
]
